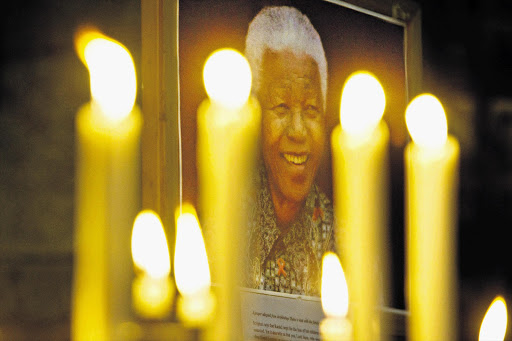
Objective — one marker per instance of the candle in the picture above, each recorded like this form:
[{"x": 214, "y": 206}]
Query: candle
[
  {"x": 228, "y": 125},
  {"x": 431, "y": 172},
  {"x": 494, "y": 324},
  {"x": 192, "y": 272},
  {"x": 360, "y": 176},
  {"x": 152, "y": 290},
  {"x": 107, "y": 188},
  {"x": 334, "y": 292}
]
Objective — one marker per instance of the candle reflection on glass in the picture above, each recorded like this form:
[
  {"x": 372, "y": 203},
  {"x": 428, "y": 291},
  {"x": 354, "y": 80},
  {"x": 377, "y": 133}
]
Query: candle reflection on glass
[
  {"x": 152, "y": 289},
  {"x": 335, "y": 301},
  {"x": 360, "y": 176},
  {"x": 191, "y": 271},
  {"x": 107, "y": 174},
  {"x": 431, "y": 172},
  {"x": 494, "y": 324}
]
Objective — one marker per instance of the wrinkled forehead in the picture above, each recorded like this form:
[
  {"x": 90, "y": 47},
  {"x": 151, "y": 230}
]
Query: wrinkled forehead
[{"x": 284, "y": 66}]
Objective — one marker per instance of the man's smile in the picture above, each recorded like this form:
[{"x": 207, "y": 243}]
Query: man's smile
[{"x": 296, "y": 159}]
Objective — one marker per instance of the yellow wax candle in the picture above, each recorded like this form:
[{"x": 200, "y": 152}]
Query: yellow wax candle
[
  {"x": 191, "y": 270},
  {"x": 152, "y": 289},
  {"x": 431, "y": 172},
  {"x": 228, "y": 125},
  {"x": 336, "y": 326},
  {"x": 494, "y": 324},
  {"x": 360, "y": 176},
  {"x": 107, "y": 188}
]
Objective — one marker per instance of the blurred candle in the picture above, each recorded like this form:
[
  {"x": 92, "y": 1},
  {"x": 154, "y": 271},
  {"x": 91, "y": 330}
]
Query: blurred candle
[
  {"x": 360, "y": 176},
  {"x": 191, "y": 271},
  {"x": 494, "y": 324},
  {"x": 431, "y": 172},
  {"x": 107, "y": 188},
  {"x": 228, "y": 126},
  {"x": 336, "y": 326},
  {"x": 152, "y": 290}
]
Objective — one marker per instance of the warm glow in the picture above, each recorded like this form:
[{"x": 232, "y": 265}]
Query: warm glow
[
  {"x": 227, "y": 78},
  {"x": 426, "y": 121},
  {"x": 362, "y": 104},
  {"x": 334, "y": 289},
  {"x": 494, "y": 324},
  {"x": 152, "y": 298},
  {"x": 112, "y": 73},
  {"x": 149, "y": 245},
  {"x": 191, "y": 269}
]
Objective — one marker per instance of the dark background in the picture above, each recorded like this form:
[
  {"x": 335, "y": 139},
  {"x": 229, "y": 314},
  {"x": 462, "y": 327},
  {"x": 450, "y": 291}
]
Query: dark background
[{"x": 467, "y": 63}]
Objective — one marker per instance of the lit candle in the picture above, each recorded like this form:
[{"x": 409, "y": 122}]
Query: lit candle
[
  {"x": 228, "y": 125},
  {"x": 152, "y": 290},
  {"x": 431, "y": 172},
  {"x": 336, "y": 326},
  {"x": 494, "y": 324},
  {"x": 360, "y": 176},
  {"x": 191, "y": 271},
  {"x": 107, "y": 188}
]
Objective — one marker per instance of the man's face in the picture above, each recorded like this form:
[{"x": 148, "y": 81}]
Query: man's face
[{"x": 293, "y": 122}]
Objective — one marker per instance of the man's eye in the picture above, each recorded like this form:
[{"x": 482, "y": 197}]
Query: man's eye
[
  {"x": 281, "y": 108},
  {"x": 312, "y": 110}
]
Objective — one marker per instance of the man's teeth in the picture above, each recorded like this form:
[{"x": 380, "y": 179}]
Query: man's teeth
[{"x": 296, "y": 159}]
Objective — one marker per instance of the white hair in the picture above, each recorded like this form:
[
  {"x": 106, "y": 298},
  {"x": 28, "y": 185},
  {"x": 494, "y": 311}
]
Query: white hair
[{"x": 282, "y": 27}]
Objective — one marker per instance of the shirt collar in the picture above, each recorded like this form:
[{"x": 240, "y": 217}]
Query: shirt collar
[{"x": 266, "y": 229}]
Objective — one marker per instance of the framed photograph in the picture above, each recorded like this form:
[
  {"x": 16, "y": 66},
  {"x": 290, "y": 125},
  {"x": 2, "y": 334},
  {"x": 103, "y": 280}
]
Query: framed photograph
[{"x": 382, "y": 37}]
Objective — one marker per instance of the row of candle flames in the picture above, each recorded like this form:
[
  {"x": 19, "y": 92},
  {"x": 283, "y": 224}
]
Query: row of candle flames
[{"x": 152, "y": 290}]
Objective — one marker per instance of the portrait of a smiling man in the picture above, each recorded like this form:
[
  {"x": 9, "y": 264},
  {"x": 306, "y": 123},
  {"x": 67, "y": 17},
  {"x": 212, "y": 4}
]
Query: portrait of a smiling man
[
  {"x": 291, "y": 221},
  {"x": 300, "y": 52}
]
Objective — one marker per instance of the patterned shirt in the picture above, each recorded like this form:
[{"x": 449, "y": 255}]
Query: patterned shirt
[{"x": 290, "y": 261}]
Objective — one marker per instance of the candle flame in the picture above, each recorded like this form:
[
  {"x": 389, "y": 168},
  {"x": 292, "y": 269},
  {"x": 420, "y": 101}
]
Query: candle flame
[
  {"x": 191, "y": 269},
  {"x": 334, "y": 289},
  {"x": 426, "y": 121},
  {"x": 362, "y": 103},
  {"x": 112, "y": 73},
  {"x": 227, "y": 78},
  {"x": 494, "y": 324},
  {"x": 149, "y": 245}
]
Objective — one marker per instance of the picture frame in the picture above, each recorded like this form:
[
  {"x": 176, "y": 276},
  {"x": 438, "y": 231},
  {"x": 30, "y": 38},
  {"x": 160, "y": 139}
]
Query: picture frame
[{"x": 165, "y": 140}]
